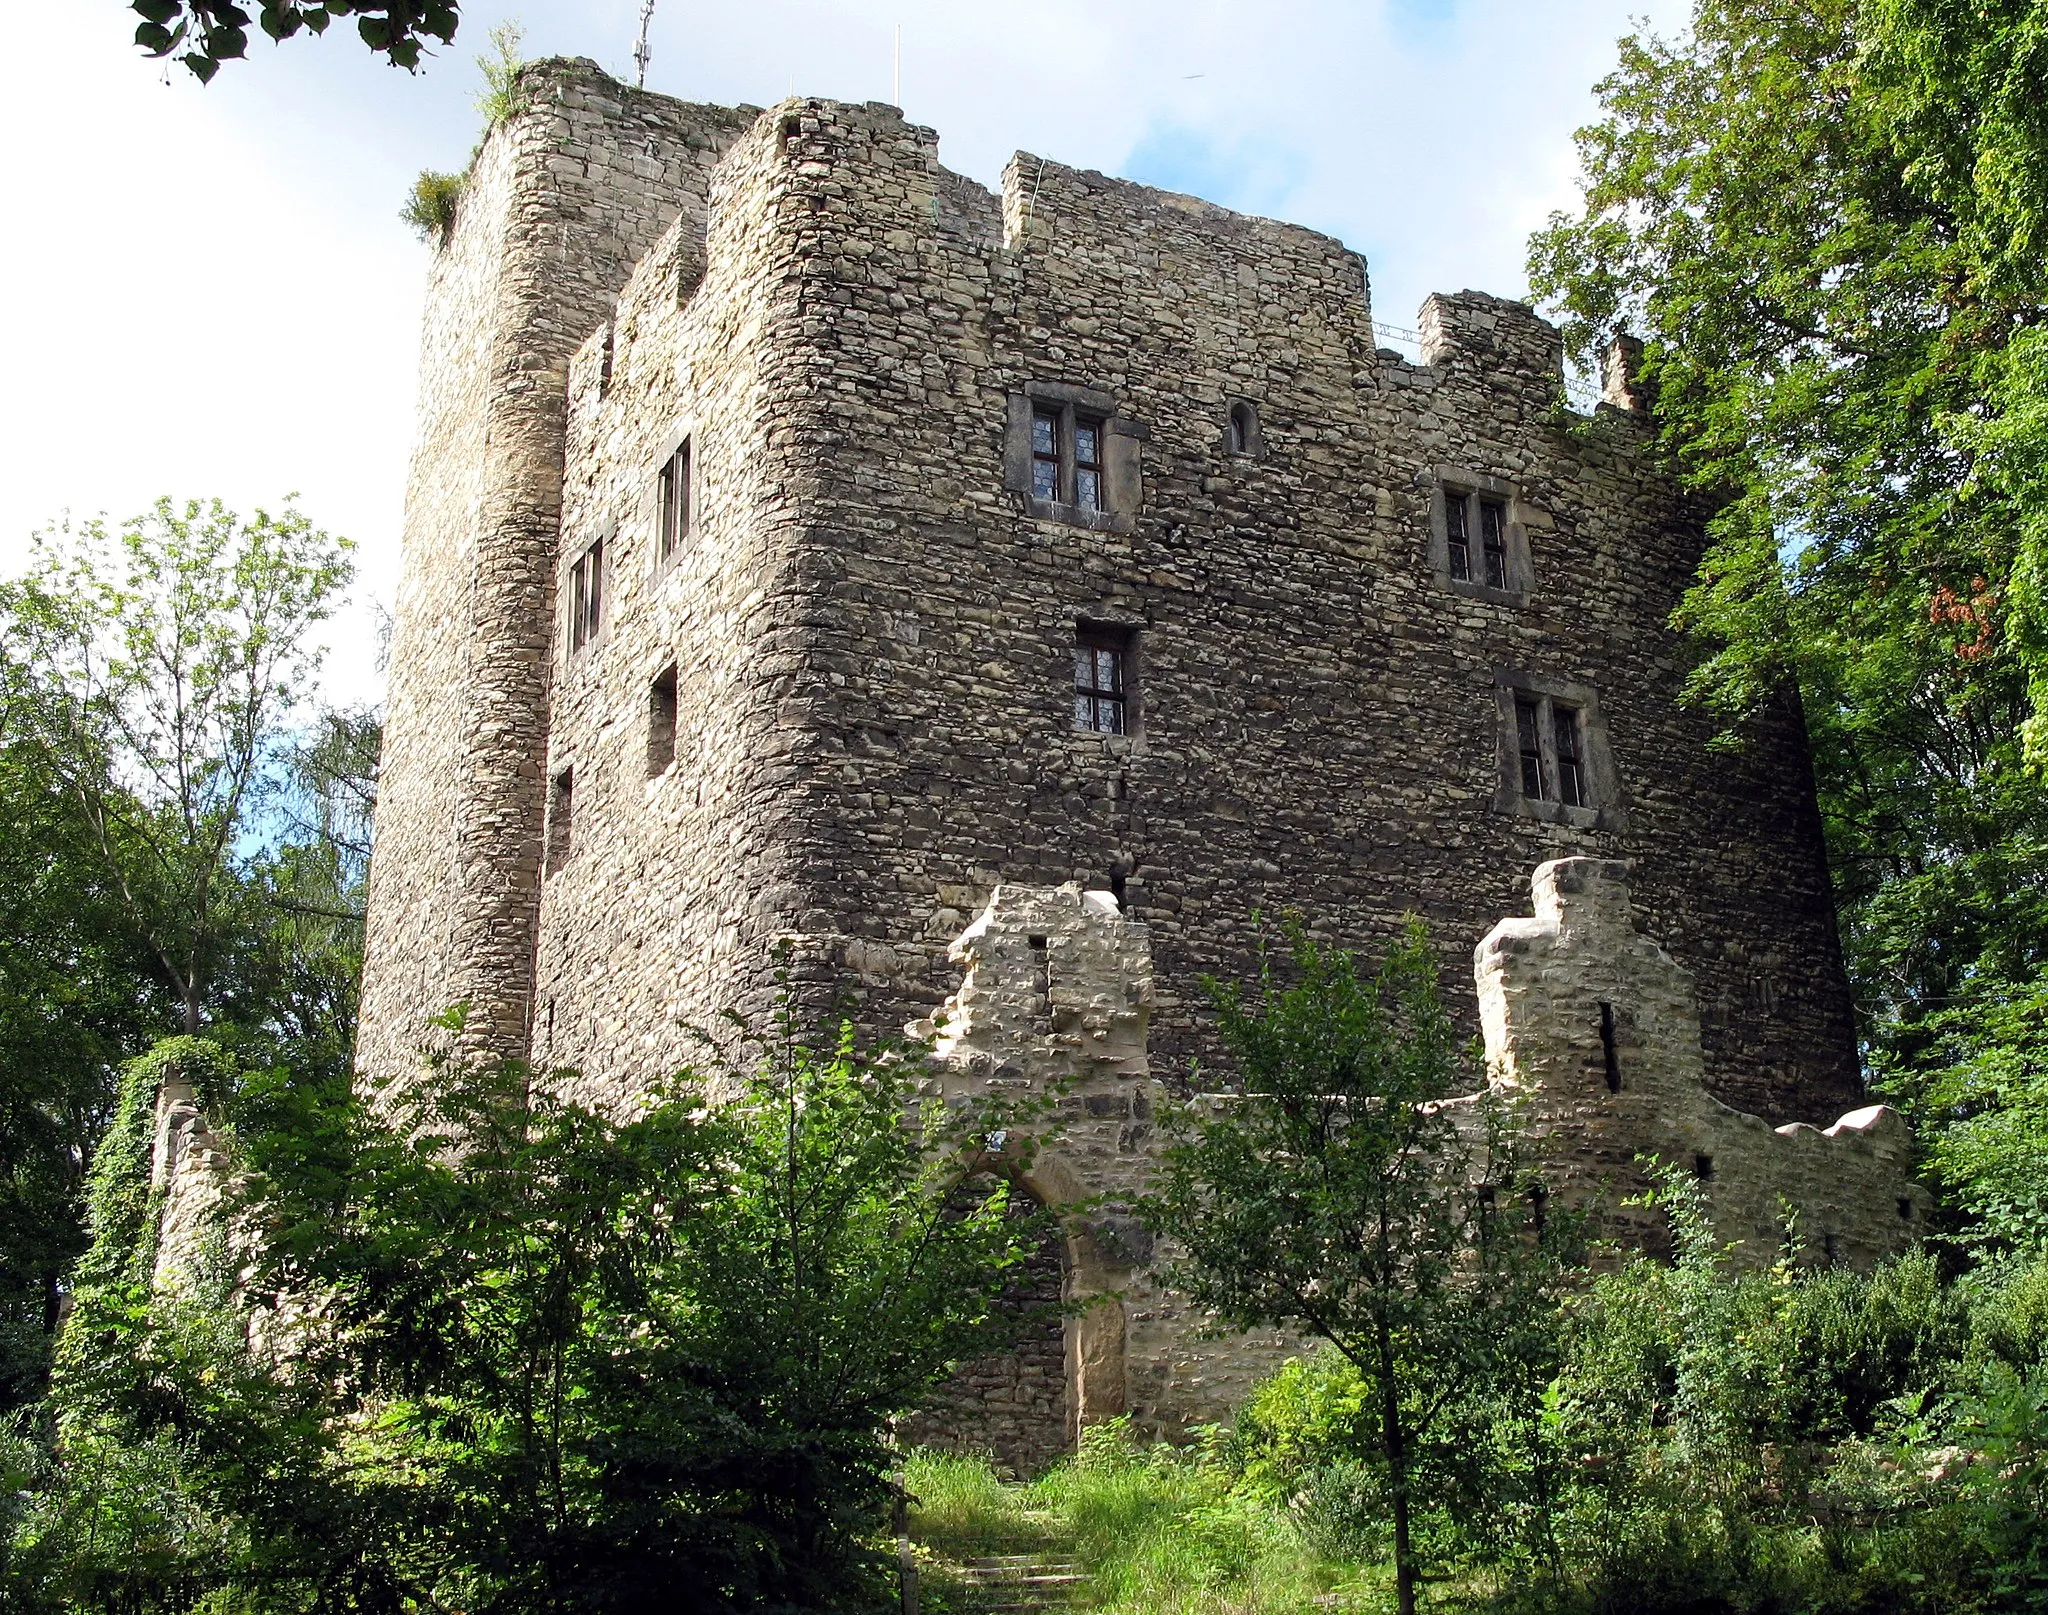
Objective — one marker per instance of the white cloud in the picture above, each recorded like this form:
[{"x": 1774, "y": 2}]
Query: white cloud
[{"x": 213, "y": 294}]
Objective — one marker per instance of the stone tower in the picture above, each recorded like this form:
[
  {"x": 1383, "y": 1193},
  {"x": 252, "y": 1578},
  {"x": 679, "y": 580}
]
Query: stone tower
[{"x": 804, "y": 541}]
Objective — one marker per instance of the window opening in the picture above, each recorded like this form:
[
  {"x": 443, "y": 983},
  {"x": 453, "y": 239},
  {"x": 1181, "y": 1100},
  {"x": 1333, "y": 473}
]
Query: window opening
[
  {"x": 1242, "y": 435},
  {"x": 586, "y": 596},
  {"x": 1088, "y": 464},
  {"x": 604, "y": 363},
  {"x": 1045, "y": 454},
  {"x": 1041, "y": 967},
  {"x": 1069, "y": 458},
  {"x": 1102, "y": 680},
  {"x": 1905, "y": 1209},
  {"x": 678, "y": 512},
  {"x": 1459, "y": 537},
  {"x": 661, "y": 721},
  {"x": 1830, "y": 1249},
  {"x": 1703, "y": 1168},
  {"x": 1539, "y": 1207},
  {"x": 1529, "y": 741},
  {"x": 561, "y": 811},
  {"x": 1611, "y": 1059},
  {"x": 1571, "y": 774},
  {"x": 1493, "y": 542}
]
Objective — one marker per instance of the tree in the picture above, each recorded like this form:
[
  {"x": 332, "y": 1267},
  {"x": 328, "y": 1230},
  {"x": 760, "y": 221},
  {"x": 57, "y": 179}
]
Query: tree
[
  {"x": 565, "y": 1357},
  {"x": 149, "y": 672},
  {"x": 209, "y": 32},
  {"x": 1344, "y": 1189},
  {"x": 1826, "y": 218},
  {"x": 77, "y": 997}
]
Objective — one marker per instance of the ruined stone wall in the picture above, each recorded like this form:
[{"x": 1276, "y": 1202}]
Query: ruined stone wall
[
  {"x": 564, "y": 198},
  {"x": 1598, "y": 1028},
  {"x": 1319, "y": 719},
  {"x": 1055, "y": 995}
]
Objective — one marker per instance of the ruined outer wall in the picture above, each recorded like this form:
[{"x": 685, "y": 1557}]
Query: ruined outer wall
[
  {"x": 1319, "y": 716},
  {"x": 1597, "y": 1029},
  {"x": 563, "y": 199}
]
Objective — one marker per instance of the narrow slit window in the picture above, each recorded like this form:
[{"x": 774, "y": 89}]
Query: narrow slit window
[
  {"x": 1459, "y": 536},
  {"x": 586, "y": 596},
  {"x": 1610, "y": 1059},
  {"x": 1529, "y": 741},
  {"x": 678, "y": 503},
  {"x": 1703, "y": 1168},
  {"x": 661, "y": 722},
  {"x": 1088, "y": 464},
  {"x": 561, "y": 818},
  {"x": 1045, "y": 455},
  {"x": 1571, "y": 772},
  {"x": 1242, "y": 435},
  {"x": 1102, "y": 681},
  {"x": 1493, "y": 516}
]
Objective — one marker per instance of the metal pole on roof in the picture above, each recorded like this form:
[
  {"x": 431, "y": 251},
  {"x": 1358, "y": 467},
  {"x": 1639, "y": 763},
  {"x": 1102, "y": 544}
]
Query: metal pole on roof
[{"x": 641, "y": 53}]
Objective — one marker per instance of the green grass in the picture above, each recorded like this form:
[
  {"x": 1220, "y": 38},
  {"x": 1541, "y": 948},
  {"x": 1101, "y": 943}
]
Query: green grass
[{"x": 1159, "y": 1531}]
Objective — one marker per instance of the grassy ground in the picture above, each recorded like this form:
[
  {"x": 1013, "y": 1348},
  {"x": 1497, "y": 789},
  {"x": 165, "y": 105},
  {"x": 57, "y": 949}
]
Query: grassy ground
[{"x": 1159, "y": 1532}]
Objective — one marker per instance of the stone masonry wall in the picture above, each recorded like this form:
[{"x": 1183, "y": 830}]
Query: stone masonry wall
[
  {"x": 874, "y": 634},
  {"x": 562, "y": 201},
  {"x": 1598, "y": 1026}
]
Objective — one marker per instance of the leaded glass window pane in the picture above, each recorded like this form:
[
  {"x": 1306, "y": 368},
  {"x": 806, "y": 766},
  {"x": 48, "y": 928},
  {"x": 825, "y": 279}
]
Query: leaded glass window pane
[
  {"x": 1492, "y": 526},
  {"x": 1460, "y": 539},
  {"x": 1045, "y": 434},
  {"x": 1571, "y": 785},
  {"x": 1045, "y": 479},
  {"x": 1528, "y": 732},
  {"x": 1088, "y": 488}
]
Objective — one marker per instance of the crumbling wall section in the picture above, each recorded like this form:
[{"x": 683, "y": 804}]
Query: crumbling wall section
[
  {"x": 1599, "y": 1028},
  {"x": 1056, "y": 997}
]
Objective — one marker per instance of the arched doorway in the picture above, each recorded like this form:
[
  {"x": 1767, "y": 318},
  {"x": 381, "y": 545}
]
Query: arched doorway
[{"x": 1014, "y": 1405}]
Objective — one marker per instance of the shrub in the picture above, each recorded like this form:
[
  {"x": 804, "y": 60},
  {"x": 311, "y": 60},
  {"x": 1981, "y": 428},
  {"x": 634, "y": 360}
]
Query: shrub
[{"x": 430, "y": 208}]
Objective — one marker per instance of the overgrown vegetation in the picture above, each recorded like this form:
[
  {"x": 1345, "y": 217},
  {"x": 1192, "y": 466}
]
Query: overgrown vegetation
[
  {"x": 183, "y": 844},
  {"x": 537, "y": 1357},
  {"x": 1788, "y": 1440},
  {"x": 1400, "y": 1231},
  {"x": 436, "y": 197}
]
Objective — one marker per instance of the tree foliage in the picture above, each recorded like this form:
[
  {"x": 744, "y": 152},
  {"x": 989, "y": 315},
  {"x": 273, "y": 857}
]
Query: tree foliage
[
  {"x": 520, "y": 1353},
  {"x": 150, "y": 669},
  {"x": 205, "y": 33},
  {"x": 1336, "y": 1191},
  {"x": 1825, "y": 218},
  {"x": 182, "y": 843}
]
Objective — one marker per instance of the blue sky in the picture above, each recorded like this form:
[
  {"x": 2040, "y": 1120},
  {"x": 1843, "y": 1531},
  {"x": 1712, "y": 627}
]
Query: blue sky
[{"x": 212, "y": 292}]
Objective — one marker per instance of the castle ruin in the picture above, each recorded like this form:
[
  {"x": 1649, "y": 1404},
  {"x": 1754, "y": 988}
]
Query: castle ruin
[{"x": 804, "y": 542}]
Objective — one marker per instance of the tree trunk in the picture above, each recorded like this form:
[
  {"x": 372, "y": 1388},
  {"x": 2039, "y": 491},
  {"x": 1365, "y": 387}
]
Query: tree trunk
[{"x": 1394, "y": 1442}]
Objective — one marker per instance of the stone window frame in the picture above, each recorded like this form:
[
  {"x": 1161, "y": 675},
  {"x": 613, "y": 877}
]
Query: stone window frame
[
  {"x": 1123, "y": 491},
  {"x": 682, "y": 438},
  {"x": 1606, "y": 806},
  {"x": 584, "y": 629},
  {"x": 1448, "y": 481}
]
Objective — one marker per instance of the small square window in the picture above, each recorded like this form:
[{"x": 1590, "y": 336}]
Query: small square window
[
  {"x": 586, "y": 596},
  {"x": 1102, "y": 679},
  {"x": 676, "y": 515}
]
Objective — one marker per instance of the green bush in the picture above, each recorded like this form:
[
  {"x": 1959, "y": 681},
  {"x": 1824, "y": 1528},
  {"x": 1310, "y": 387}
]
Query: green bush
[{"x": 430, "y": 206}]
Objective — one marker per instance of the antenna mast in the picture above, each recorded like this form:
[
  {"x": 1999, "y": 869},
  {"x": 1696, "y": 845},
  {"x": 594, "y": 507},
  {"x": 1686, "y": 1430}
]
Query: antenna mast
[{"x": 640, "y": 51}]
